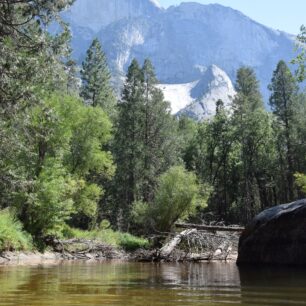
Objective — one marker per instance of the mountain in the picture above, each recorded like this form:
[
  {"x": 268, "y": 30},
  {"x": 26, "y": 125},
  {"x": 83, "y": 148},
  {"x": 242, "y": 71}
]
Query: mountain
[
  {"x": 182, "y": 41},
  {"x": 96, "y": 14},
  {"x": 213, "y": 86},
  {"x": 198, "y": 99}
]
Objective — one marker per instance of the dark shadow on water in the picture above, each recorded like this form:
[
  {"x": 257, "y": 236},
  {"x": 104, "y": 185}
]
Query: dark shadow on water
[{"x": 273, "y": 285}]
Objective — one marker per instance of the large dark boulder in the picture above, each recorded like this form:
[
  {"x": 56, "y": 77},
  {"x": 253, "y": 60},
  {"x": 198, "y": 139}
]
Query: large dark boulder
[{"x": 276, "y": 236}]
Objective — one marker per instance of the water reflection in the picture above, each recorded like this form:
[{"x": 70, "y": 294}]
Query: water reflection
[
  {"x": 150, "y": 284},
  {"x": 273, "y": 285}
]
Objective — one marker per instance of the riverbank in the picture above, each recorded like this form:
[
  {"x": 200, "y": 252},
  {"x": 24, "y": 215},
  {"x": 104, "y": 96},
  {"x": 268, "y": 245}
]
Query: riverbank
[
  {"x": 54, "y": 258},
  {"x": 183, "y": 247}
]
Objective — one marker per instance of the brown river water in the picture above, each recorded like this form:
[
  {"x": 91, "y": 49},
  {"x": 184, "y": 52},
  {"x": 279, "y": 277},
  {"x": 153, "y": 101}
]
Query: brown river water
[{"x": 118, "y": 283}]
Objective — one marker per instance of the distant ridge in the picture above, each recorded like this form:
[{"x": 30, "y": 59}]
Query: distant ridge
[{"x": 182, "y": 41}]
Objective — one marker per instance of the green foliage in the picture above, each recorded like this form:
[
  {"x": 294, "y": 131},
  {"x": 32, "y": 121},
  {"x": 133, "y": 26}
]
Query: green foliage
[
  {"x": 284, "y": 93},
  {"x": 248, "y": 92},
  {"x": 64, "y": 148},
  {"x": 51, "y": 202},
  {"x": 132, "y": 243},
  {"x": 96, "y": 89},
  {"x": 142, "y": 214},
  {"x": 30, "y": 58},
  {"x": 55, "y": 157},
  {"x": 104, "y": 224},
  {"x": 86, "y": 199},
  {"x": 301, "y": 181},
  {"x": 236, "y": 154},
  {"x": 178, "y": 197},
  {"x": 284, "y": 103},
  {"x": 12, "y": 236},
  {"x": 145, "y": 140},
  {"x": 108, "y": 236},
  {"x": 300, "y": 59}
]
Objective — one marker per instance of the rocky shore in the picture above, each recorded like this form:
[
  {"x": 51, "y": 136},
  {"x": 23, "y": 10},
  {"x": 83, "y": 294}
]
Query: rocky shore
[{"x": 190, "y": 245}]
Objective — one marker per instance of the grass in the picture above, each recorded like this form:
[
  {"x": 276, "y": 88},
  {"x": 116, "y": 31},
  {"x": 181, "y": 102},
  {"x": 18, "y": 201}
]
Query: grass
[
  {"x": 12, "y": 236},
  {"x": 117, "y": 239}
]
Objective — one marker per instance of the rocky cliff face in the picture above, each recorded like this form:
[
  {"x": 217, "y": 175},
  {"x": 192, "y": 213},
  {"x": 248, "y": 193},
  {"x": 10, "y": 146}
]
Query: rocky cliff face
[
  {"x": 276, "y": 236},
  {"x": 213, "y": 86},
  {"x": 97, "y": 14},
  {"x": 182, "y": 41},
  {"x": 198, "y": 99}
]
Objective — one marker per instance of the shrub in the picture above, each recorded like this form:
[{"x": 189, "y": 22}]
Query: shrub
[
  {"x": 132, "y": 243},
  {"x": 178, "y": 197},
  {"x": 301, "y": 181},
  {"x": 12, "y": 236}
]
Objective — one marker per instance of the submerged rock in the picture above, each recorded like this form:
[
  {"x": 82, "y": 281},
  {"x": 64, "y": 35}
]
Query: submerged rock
[{"x": 276, "y": 236}]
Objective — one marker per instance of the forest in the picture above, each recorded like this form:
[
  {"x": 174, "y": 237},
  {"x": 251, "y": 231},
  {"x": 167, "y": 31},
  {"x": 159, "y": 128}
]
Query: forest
[{"x": 79, "y": 159}]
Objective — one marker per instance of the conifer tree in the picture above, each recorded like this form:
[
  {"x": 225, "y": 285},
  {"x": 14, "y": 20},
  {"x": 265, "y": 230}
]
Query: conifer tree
[
  {"x": 251, "y": 125},
  {"x": 72, "y": 81},
  {"x": 283, "y": 102},
  {"x": 96, "y": 89},
  {"x": 159, "y": 146},
  {"x": 300, "y": 59},
  {"x": 30, "y": 58},
  {"x": 144, "y": 140},
  {"x": 128, "y": 146},
  {"x": 248, "y": 92}
]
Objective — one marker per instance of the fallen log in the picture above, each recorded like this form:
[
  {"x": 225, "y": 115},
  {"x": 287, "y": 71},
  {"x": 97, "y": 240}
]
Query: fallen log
[
  {"x": 210, "y": 227},
  {"x": 167, "y": 249}
]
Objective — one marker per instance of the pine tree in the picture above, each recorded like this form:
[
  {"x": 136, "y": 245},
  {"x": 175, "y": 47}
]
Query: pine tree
[
  {"x": 96, "y": 89},
  {"x": 251, "y": 125},
  {"x": 144, "y": 140},
  {"x": 128, "y": 146},
  {"x": 283, "y": 102},
  {"x": 248, "y": 92},
  {"x": 31, "y": 66},
  {"x": 30, "y": 58},
  {"x": 159, "y": 146},
  {"x": 72, "y": 80},
  {"x": 300, "y": 59}
]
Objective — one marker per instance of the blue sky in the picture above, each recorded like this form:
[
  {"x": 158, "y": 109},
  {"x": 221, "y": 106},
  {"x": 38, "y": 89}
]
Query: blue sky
[{"x": 286, "y": 15}]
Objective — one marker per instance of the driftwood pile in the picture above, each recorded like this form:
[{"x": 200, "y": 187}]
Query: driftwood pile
[
  {"x": 194, "y": 243},
  {"x": 198, "y": 245},
  {"x": 82, "y": 249}
]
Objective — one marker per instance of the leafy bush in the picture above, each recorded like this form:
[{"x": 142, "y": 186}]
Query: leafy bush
[
  {"x": 178, "y": 197},
  {"x": 12, "y": 236},
  {"x": 51, "y": 202},
  {"x": 66, "y": 144},
  {"x": 131, "y": 243},
  {"x": 301, "y": 181}
]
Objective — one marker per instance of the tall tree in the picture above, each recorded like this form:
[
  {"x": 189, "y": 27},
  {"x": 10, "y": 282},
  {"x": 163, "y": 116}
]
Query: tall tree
[
  {"x": 300, "y": 59},
  {"x": 72, "y": 87},
  {"x": 248, "y": 92},
  {"x": 30, "y": 65},
  {"x": 283, "y": 102},
  {"x": 144, "y": 140},
  {"x": 30, "y": 58},
  {"x": 96, "y": 89},
  {"x": 128, "y": 149},
  {"x": 159, "y": 132},
  {"x": 252, "y": 131}
]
